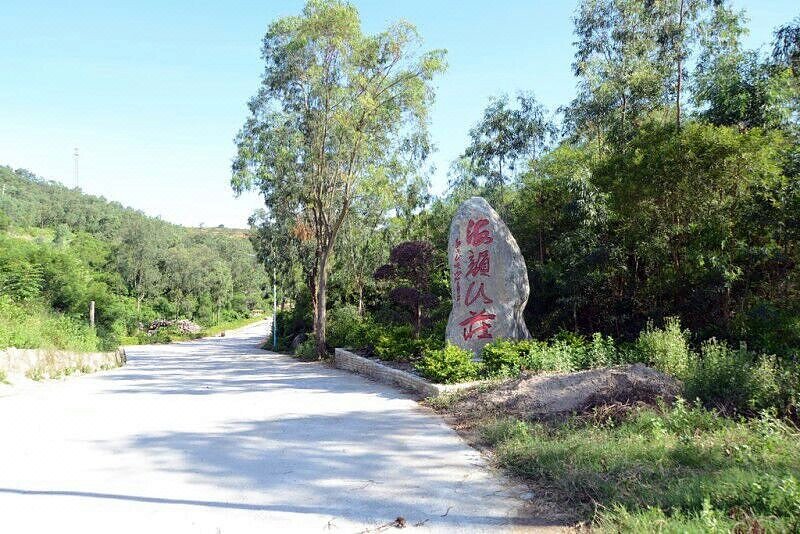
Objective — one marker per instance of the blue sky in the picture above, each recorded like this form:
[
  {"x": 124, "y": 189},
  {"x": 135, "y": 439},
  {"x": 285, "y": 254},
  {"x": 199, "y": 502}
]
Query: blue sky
[{"x": 153, "y": 92}]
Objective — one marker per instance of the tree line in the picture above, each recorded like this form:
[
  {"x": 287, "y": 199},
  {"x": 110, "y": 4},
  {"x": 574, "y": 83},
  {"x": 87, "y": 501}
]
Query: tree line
[{"x": 667, "y": 188}]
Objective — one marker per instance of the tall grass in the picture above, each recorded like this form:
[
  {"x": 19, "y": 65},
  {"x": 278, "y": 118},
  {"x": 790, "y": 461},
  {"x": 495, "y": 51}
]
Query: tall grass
[
  {"x": 36, "y": 328},
  {"x": 679, "y": 469}
]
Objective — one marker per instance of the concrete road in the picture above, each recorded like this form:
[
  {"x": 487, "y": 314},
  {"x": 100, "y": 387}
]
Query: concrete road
[{"x": 219, "y": 436}]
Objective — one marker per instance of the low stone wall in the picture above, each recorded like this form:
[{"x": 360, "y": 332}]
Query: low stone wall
[
  {"x": 344, "y": 359},
  {"x": 44, "y": 363}
]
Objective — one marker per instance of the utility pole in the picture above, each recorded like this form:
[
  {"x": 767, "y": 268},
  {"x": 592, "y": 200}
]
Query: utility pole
[
  {"x": 75, "y": 168},
  {"x": 91, "y": 314},
  {"x": 274, "y": 310}
]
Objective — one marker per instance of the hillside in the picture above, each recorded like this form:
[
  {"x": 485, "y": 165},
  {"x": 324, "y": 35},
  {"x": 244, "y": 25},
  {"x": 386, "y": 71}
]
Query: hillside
[{"x": 61, "y": 249}]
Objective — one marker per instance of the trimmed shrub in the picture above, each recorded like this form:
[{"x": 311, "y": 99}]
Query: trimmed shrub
[
  {"x": 344, "y": 327},
  {"x": 448, "y": 365},
  {"x": 397, "y": 343}
]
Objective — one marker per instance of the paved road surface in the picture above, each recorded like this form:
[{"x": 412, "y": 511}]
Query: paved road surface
[{"x": 218, "y": 436}]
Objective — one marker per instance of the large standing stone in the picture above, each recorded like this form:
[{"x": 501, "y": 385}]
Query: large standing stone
[{"x": 488, "y": 277}]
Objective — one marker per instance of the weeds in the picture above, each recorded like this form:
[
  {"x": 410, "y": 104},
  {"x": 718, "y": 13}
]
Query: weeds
[{"x": 677, "y": 469}]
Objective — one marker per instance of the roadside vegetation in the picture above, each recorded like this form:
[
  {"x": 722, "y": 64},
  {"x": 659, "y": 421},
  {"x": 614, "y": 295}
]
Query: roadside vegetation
[
  {"x": 682, "y": 468},
  {"x": 61, "y": 249},
  {"x": 659, "y": 217}
]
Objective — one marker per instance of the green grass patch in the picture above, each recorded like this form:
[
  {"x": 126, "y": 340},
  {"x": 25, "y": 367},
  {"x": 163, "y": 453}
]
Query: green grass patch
[
  {"x": 36, "y": 328},
  {"x": 679, "y": 469}
]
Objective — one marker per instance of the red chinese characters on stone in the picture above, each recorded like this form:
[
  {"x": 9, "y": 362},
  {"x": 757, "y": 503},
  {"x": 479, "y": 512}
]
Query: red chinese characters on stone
[
  {"x": 473, "y": 295},
  {"x": 457, "y": 269},
  {"x": 477, "y": 234},
  {"x": 478, "y": 265},
  {"x": 478, "y": 323}
]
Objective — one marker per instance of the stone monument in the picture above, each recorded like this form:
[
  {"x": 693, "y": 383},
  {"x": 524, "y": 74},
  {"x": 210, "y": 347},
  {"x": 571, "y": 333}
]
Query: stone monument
[{"x": 488, "y": 277}]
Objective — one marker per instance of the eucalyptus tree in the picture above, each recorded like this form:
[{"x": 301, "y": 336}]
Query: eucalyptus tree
[
  {"x": 619, "y": 79},
  {"x": 631, "y": 61},
  {"x": 333, "y": 102},
  {"x": 505, "y": 135}
]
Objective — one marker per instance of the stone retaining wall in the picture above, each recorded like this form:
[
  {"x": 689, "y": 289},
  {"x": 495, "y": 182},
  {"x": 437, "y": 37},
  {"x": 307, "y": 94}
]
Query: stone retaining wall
[
  {"x": 344, "y": 359},
  {"x": 44, "y": 363}
]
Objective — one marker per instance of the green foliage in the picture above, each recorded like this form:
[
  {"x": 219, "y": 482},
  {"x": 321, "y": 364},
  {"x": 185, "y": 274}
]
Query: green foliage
[
  {"x": 399, "y": 343},
  {"x": 683, "y": 467},
  {"x": 503, "y": 357},
  {"x": 32, "y": 328},
  {"x": 562, "y": 354},
  {"x": 307, "y": 350},
  {"x": 133, "y": 267},
  {"x": 448, "y": 365},
  {"x": 665, "y": 349},
  {"x": 738, "y": 380},
  {"x": 345, "y": 327}
]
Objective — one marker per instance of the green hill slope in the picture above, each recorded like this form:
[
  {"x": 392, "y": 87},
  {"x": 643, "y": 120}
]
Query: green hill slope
[{"x": 61, "y": 249}]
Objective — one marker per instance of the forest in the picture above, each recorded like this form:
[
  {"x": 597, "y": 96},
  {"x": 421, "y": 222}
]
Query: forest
[{"x": 60, "y": 249}]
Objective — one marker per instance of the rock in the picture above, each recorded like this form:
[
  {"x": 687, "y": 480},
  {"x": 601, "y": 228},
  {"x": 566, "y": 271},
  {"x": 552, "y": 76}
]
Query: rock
[
  {"x": 488, "y": 277},
  {"x": 183, "y": 326}
]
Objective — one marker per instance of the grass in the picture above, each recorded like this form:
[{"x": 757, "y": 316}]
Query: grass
[
  {"x": 678, "y": 469},
  {"x": 40, "y": 329}
]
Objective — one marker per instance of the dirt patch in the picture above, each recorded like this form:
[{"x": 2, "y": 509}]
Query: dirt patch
[{"x": 557, "y": 395}]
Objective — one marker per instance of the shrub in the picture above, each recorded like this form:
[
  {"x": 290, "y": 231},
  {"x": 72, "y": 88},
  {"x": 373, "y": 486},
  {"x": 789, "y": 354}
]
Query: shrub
[
  {"x": 720, "y": 376},
  {"x": 556, "y": 357},
  {"x": 502, "y": 358},
  {"x": 398, "y": 343},
  {"x": 448, "y": 365},
  {"x": 665, "y": 349},
  {"x": 33, "y": 328},
  {"x": 307, "y": 350},
  {"x": 738, "y": 380},
  {"x": 509, "y": 358},
  {"x": 344, "y": 327},
  {"x": 599, "y": 352}
]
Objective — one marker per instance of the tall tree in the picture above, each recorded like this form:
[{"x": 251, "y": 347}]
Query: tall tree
[
  {"x": 620, "y": 80},
  {"x": 505, "y": 135},
  {"x": 138, "y": 256},
  {"x": 333, "y": 101}
]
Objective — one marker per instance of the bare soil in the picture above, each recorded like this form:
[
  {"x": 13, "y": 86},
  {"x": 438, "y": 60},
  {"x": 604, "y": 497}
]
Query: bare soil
[{"x": 554, "y": 396}]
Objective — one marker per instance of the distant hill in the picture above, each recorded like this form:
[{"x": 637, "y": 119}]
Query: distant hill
[{"x": 61, "y": 248}]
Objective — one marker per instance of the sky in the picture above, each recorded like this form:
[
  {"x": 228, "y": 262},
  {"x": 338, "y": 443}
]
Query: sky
[{"x": 153, "y": 92}]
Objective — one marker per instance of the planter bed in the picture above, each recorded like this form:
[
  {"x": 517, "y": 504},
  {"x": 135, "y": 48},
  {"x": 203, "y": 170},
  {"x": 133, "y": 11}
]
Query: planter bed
[{"x": 392, "y": 373}]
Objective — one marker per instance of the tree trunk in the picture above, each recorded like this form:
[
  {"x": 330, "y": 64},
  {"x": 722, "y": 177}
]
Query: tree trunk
[
  {"x": 419, "y": 321},
  {"x": 680, "y": 69},
  {"x": 321, "y": 302},
  {"x": 361, "y": 300}
]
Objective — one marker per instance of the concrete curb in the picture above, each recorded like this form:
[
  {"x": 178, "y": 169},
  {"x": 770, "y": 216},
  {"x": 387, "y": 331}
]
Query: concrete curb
[
  {"x": 50, "y": 362},
  {"x": 346, "y": 360}
]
